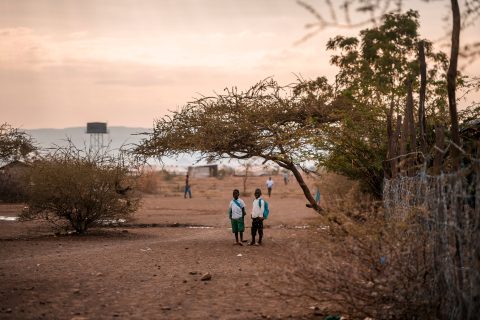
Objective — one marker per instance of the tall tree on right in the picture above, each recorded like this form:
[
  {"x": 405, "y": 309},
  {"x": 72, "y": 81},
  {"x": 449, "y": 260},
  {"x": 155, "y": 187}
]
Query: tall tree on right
[
  {"x": 379, "y": 75},
  {"x": 452, "y": 80}
]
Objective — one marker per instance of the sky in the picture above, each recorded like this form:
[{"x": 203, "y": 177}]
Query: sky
[{"x": 64, "y": 63}]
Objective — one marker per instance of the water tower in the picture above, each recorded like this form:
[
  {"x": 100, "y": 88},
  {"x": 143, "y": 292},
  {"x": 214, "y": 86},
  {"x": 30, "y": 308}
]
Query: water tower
[{"x": 96, "y": 130}]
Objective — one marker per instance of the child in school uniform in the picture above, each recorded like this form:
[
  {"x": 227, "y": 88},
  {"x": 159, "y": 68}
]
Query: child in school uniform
[
  {"x": 236, "y": 212},
  {"x": 258, "y": 208}
]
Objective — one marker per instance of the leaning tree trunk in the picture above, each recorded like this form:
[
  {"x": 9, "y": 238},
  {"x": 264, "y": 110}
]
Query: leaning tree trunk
[
  {"x": 306, "y": 191},
  {"x": 451, "y": 82}
]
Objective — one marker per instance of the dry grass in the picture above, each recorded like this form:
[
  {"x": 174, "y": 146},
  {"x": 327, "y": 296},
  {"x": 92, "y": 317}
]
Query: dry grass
[
  {"x": 364, "y": 265},
  {"x": 148, "y": 182}
]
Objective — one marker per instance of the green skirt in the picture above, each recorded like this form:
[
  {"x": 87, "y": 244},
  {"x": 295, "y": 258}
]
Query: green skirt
[{"x": 238, "y": 225}]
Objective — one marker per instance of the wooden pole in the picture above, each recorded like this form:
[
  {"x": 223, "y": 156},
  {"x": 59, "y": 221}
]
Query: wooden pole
[
  {"x": 422, "y": 123},
  {"x": 451, "y": 82}
]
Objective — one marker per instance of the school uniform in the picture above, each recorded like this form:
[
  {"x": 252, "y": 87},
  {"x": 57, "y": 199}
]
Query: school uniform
[
  {"x": 258, "y": 208},
  {"x": 236, "y": 215},
  {"x": 269, "y": 186}
]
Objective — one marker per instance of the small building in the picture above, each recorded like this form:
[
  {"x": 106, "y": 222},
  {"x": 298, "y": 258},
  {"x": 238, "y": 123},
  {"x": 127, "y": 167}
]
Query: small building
[{"x": 203, "y": 171}]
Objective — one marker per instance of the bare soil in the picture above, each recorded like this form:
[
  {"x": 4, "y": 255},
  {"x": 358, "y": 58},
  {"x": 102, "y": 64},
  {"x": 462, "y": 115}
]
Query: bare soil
[{"x": 151, "y": 266}]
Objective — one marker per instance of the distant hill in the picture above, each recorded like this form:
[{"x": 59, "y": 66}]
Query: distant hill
[{"x": 116, "y": 137}]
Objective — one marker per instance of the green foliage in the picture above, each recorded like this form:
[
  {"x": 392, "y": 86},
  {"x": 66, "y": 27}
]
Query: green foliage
[
  {"x": 356, "y": 148},
  {"x": 14, "y": 144},
  {"x": 80, "y": 188},
  {"x": 472, "y": 111},
  {"x": 373, "y": 71}
]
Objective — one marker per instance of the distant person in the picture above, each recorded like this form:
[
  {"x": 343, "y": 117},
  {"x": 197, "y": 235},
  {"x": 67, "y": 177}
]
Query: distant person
[
  {"x": 236, "y": 213},
  {"x": 269, "y": 186},
  {"x": 258, "y": 207},
  {"x": 188, "y": 189},
  {"x": 317, "y": 199},
  {"x": 285, "y": 177}
]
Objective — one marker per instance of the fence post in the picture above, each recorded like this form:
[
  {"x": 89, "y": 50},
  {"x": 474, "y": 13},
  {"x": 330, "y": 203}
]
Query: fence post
[
  {"x": 421, "y": 104},
  {"x": 440, "y": 146},
  {"x": 389, "y": 168},
  {"x": 411, "y": 133}
]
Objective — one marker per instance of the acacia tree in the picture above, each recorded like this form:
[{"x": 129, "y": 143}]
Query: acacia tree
[{"x": 269, "y": 121}]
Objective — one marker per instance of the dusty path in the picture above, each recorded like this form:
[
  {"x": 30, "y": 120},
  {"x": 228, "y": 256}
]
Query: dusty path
[{"x": 153, "y": 273}]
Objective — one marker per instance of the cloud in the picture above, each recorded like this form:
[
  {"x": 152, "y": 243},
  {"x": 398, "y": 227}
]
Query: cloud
[
  {"x": 22, "y": 47},
  {"x": 78, "y": 34}
]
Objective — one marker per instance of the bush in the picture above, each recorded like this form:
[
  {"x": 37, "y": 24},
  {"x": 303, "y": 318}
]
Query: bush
[
  {"x": 12, "y": 188},
  {"x": 80, "y": 188},
  {"x": 168, "y": 176},
  {"x": 366, "y": 268},
  {"x": 148, "y": 182}
]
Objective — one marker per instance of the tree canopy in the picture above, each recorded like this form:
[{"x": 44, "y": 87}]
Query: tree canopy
[
  {"x": 377, "y": 71},
  {"x": 269, "y": 121}
]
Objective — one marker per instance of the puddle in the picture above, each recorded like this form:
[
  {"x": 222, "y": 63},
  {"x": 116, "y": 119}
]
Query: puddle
[
  {"x": 112, "y": 221},
  {"x": 160, "y": 225},
  {"x": 304, "y": 227},
  {"x": 199, "y": 227},
  {"x": 5, "y": 218}
]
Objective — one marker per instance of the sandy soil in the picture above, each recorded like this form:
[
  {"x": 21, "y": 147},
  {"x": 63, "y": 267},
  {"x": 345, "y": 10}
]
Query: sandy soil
[{"x": 139, "y": 272}]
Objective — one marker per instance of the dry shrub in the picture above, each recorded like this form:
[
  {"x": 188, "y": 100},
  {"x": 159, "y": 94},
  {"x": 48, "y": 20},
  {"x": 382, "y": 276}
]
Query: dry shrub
[
  {"x": 368, "y": 267},
  {"x": 148, "y": 182},
  {"x": 80, "y": 188},
  {"x": 453, "y": 220},
  {"x": 167, "y": 176},
  {"x": 12, "y": 188}
]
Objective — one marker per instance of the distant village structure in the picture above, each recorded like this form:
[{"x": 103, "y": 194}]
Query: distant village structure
[
  {"x": 256, "y": 170},
  {"x": 96, "y": 130},
  {"x": 203, "y": 171}
]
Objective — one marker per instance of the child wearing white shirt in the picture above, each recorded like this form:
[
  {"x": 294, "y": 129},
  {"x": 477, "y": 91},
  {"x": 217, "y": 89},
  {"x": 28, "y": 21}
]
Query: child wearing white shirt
[
  {"x": 257, "y": 217},
  {"x": 269, "y": 184},
  {"x": 236, "y": 212}
]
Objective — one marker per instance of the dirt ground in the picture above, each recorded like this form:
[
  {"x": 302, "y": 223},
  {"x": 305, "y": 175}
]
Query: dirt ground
[{"x": 151, "y": 267}]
